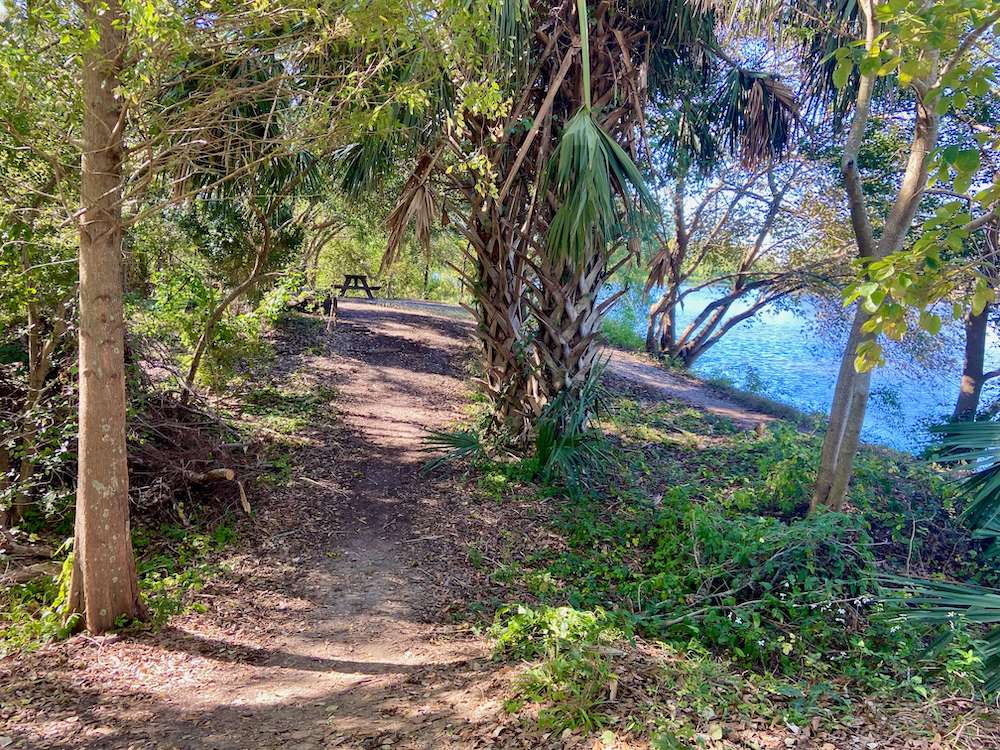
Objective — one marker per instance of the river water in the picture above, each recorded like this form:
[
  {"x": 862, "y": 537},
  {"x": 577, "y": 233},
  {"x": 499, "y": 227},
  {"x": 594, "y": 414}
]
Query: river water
[{"x": 779, "y": 353}]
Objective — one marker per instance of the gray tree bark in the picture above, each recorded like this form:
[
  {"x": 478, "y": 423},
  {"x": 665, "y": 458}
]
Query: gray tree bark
[{"x": 850, "y": 399}]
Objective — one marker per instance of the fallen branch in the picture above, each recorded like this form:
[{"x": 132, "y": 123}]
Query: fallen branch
[
  {"x": 30, "y": 573},
  {"x": 212, "y": 475},
  {"x": 11, "y": 548}
]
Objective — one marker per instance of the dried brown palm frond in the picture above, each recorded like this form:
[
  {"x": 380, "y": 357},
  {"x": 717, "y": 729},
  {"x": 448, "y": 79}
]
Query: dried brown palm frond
[
  {"x": 658, "y": 268},
  {"x": 760, "y": 116},
  {"x": 417, "y": 204}
]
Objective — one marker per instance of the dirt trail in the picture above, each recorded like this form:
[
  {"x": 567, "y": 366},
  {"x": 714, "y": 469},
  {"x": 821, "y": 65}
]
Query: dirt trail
[
  {"x": 327, "y": 635},
  {"x": 640, "y": 372}
]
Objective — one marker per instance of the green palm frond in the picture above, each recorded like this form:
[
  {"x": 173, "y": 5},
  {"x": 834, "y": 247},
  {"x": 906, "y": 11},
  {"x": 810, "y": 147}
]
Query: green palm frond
[
  {"x": 946, "y": 603},
  {"x": 688, "y": 142},
  {"x": 457, "y": 445},
  {"x": 599, "y": 189},
  {"x": 990, "y": 530},
  {"x": 976, "y": 444},
  {"x": 681, "y": 33},
  {"x": 364, "y": 164},
  {"x": 826, "y": 26},
  {"x": 565, "y": 444},
  {"x": 511, "y": 31},
  {"x": 590, "y": 174},
  {"x": 759, "y": 116}
]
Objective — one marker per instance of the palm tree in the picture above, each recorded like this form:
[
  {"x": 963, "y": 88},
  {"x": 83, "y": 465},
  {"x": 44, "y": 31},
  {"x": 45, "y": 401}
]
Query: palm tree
[{"x": 554, "y": 203}]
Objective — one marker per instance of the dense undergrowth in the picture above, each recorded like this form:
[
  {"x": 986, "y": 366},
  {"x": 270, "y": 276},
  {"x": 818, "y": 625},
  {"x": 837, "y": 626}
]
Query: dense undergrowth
[
  {"x": 183, "y": 528},
  {"x": 693, "y": 536}
]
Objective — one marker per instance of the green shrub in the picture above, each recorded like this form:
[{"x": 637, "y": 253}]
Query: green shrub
[
  {"x": 571, "y": 682},
  {"x": 773, "y": 594},
  {"x": 527, "y": 632}
]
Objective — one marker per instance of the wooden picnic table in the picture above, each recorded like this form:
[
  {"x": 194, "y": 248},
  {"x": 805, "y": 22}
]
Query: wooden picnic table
[{"x": 357, "y": 282}]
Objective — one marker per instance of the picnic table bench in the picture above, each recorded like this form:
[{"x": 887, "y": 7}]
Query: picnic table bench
[{"x": 357, "y": 282}]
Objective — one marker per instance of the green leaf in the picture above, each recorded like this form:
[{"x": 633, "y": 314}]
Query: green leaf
[
  {"x": 867, "y": 289},
  {"x": 967, "y": 160},
  {"x": 930, "y": 322},
  {"x": 980, "y": 298},
  {"x": 842, "y": 72}
]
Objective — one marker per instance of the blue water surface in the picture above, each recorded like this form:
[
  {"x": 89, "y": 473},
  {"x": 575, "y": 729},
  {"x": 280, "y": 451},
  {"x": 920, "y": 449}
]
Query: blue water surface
[{"x": 778, "y": 354}]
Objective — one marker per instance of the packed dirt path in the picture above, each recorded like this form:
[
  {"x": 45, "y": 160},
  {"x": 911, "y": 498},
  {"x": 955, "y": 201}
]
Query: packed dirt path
[{"x": 333, "y": 630}]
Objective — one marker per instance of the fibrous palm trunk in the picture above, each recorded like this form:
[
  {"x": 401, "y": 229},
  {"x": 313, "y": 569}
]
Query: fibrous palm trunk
[
  {"x": 567, "y": 307},
  {"x": 509, "y": 376}
]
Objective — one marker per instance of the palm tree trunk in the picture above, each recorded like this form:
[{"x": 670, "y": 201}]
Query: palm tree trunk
[
  {"x": 499, "y": 293},
  {"x": 569, "y": 319}
]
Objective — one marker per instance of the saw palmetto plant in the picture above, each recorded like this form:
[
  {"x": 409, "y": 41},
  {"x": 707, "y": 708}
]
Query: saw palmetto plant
[
  {"x": 949, "y": 605},
  {"x": 975, "y": 448}
]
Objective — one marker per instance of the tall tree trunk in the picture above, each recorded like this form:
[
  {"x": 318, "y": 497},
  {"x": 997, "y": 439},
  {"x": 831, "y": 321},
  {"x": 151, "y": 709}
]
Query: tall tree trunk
[
  {"x": 851, "y": 394},
  {"x": 104, "y": 586},
  {"x": 973, "y": 375},
  {"x": 850, "y": 400}
]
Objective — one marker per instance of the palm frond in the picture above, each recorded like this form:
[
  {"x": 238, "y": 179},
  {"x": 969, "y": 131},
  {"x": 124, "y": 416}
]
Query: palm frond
[
  {"x": 363, "y": 164},
  {"x": 599, "y": 189},
  {"x": 759, "y": 116},
  {"x": 680, "y": 34},
  {"x": 687, "y": 140},
  {"x": 976, "y": 444},
  {"x": 511, "y": 31},
  {"x": 417, "y": 204},
  {"x": 990, "y": 530},
  {"x": 566, "y": 446},
  {"x": 826, "y": 26},
  {"x": 658, "y": 268},
  {"x": 456, "y": 445},
  {"x": 946, "y": 603}
]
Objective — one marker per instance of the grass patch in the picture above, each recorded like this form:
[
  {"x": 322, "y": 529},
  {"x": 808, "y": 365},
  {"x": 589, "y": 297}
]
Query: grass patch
[
  {"x": 620, "y": 333},
  {"x": 286, "y": 412}
]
